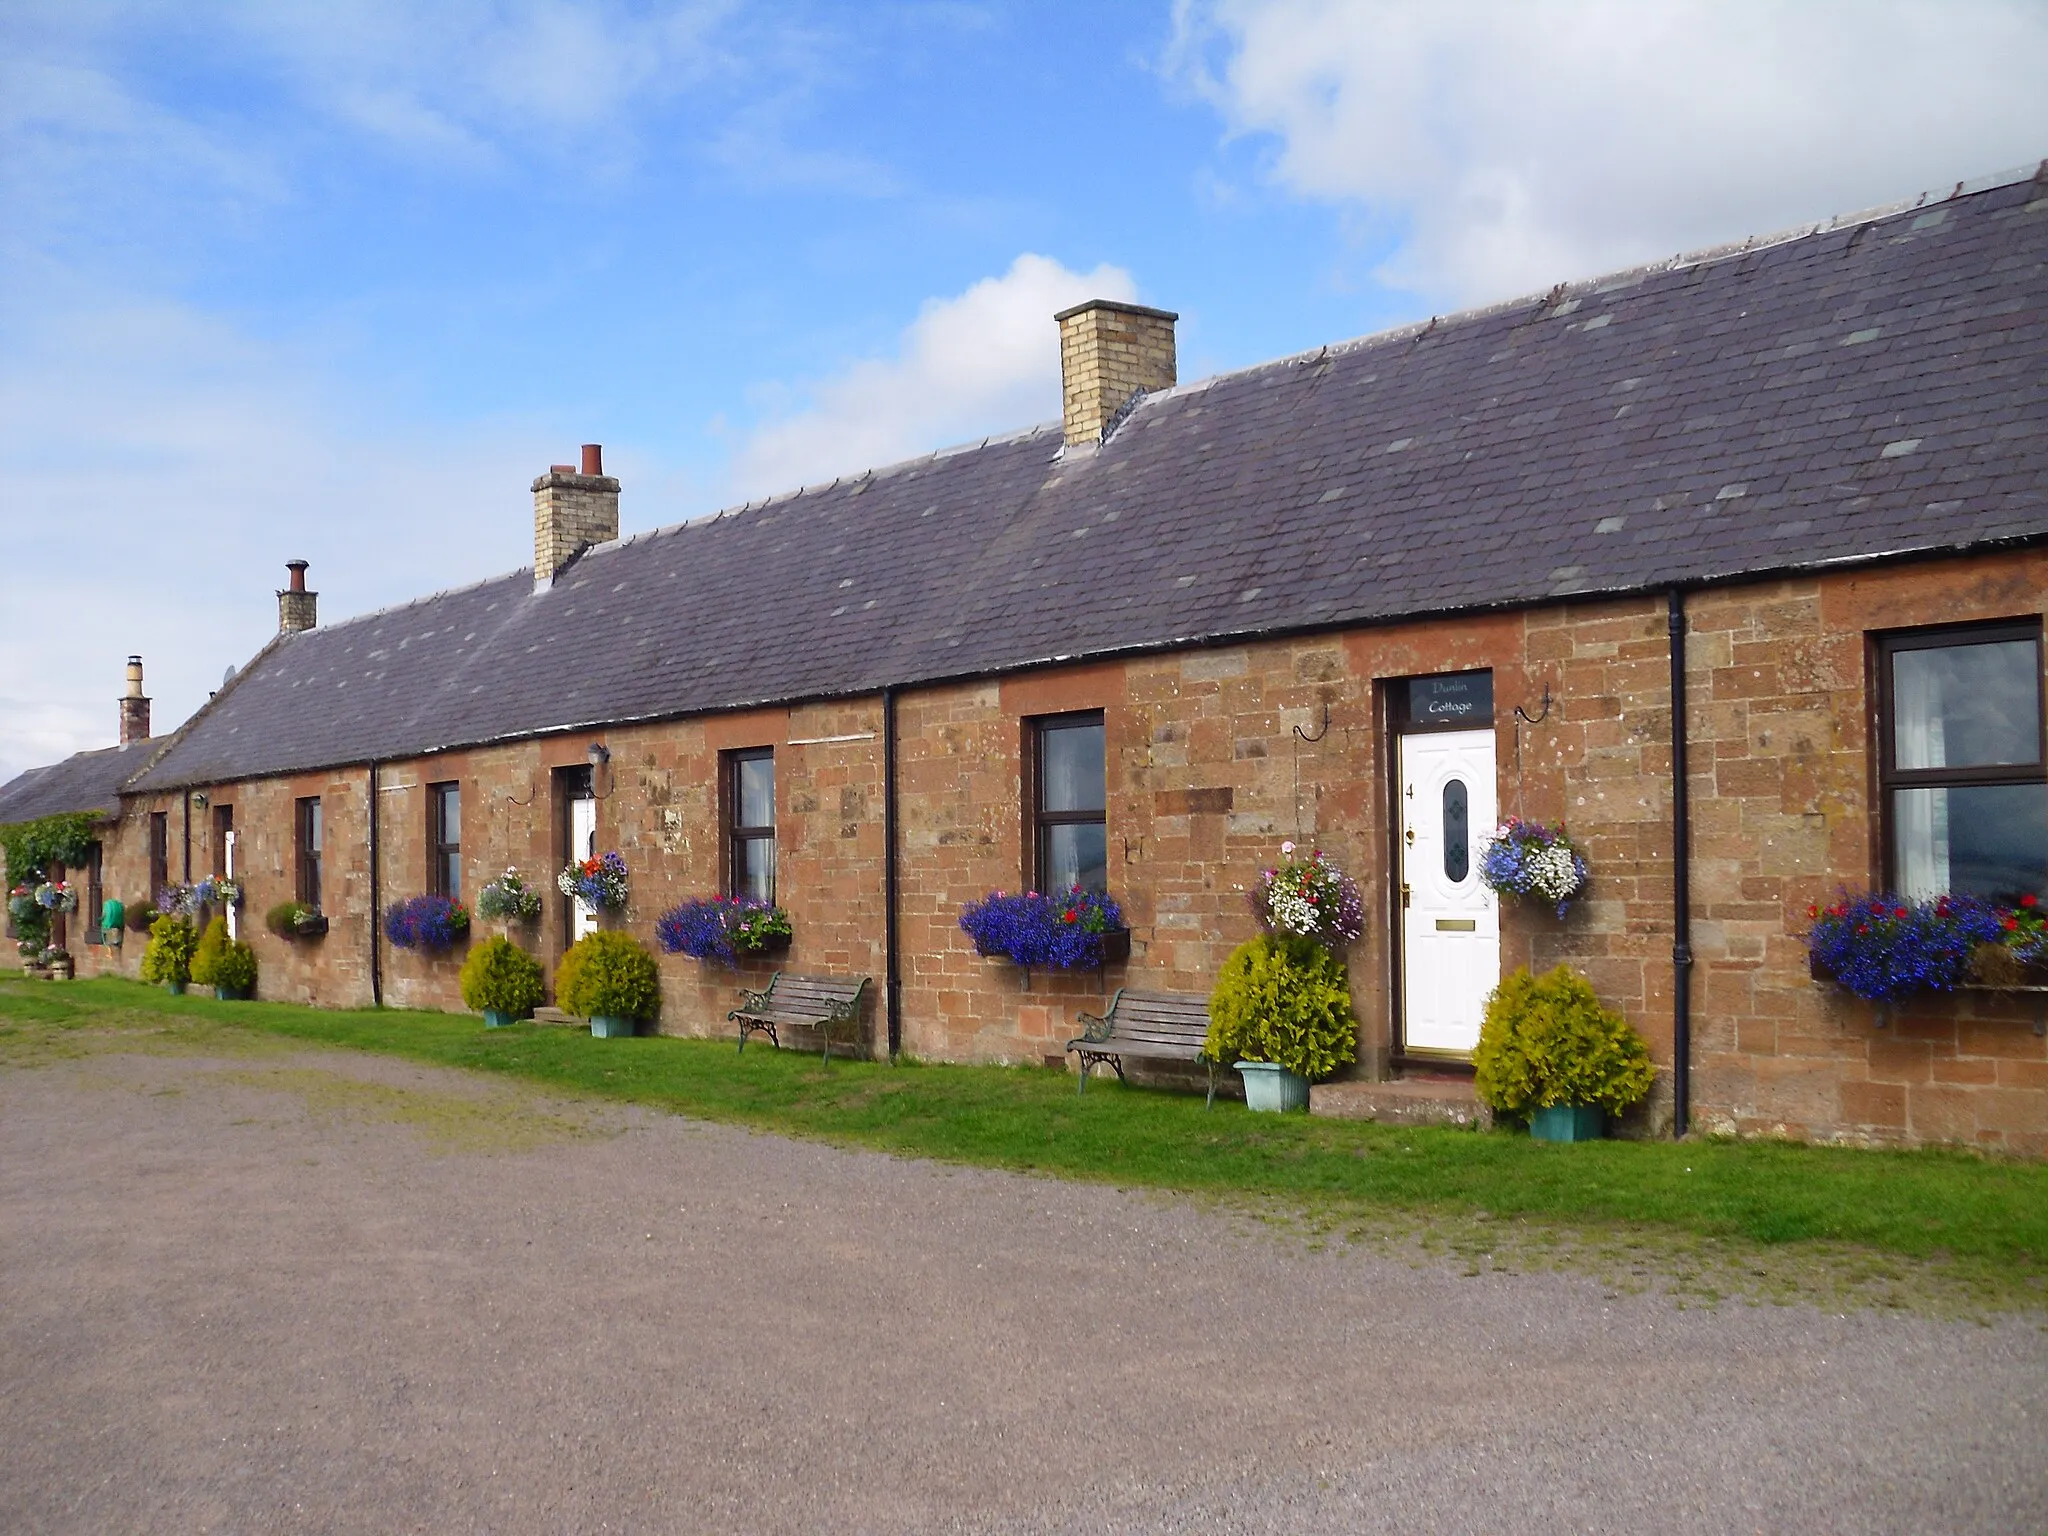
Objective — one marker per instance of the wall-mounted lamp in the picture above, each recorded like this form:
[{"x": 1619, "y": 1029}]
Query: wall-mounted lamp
[
  {"x": 200, "y": 800},
  {"x": 599, "y": 755}
]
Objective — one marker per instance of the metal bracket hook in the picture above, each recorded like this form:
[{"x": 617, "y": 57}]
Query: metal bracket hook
[
  {"x": 1319, "y": 735},
  {"x": 1528, "y": 719}
]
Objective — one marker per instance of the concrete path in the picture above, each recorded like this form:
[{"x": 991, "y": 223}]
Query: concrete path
[{"x": 331, "y": 1293}]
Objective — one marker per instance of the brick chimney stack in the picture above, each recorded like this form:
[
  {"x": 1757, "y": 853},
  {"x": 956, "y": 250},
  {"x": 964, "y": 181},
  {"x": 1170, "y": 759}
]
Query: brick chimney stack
[
  {"x": 1110, "y": 352},
  {"x": 134, "y": 707},
  {"x": 297, "y": 609},
  {"x": 572, "y": 510}
]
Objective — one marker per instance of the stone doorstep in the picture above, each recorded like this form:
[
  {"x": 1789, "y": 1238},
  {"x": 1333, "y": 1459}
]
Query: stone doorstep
[{"x": 1406, "y": 1101}]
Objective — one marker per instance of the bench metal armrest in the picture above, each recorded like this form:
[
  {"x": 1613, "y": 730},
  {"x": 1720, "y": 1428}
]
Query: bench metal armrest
[
  {"x": 755, "y": 1002},
  {"x": 1093, "y": 1028}
]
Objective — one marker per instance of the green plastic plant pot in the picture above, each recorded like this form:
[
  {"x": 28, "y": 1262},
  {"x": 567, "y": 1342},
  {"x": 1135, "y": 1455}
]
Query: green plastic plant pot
[
  {"x": 605, "y": 1027},
  {"x": 223, "y": 994},
  {"x": 1569, "y": 1122},
  {"x": 175, "y": 988},
  {"x": 1271, "y": 1087},
  {"x": 497, "y": 1018}
]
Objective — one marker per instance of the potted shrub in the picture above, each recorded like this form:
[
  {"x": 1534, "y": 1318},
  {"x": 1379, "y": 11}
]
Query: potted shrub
[
  {"x": 295, "y": 920},
  {"x": 1527, "y": 858},
  {"x": 724, "y": 929},
  {"x": 1550, "y": 1054},
  {"x": 168, "y": 956},
  {"x": 206, "y": 957},
  {"x": 508, "y": 899},
  {"x": 1076, "y": 930},
  {"x": 501, "y": 981},
  {"x": 1308, "y": 898},
  {"x": 430, "y": 922},
  {"x": 1281, "y": 1015},
  {"x": 234, "y": 974},
  {"x": 612, "y": 980},
  {"x": 56, "y": 964}
]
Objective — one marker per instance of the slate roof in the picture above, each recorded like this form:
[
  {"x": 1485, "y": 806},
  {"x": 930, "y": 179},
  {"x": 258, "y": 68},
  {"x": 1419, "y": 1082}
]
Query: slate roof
[
  {"x": 86, "y": 781},
  {"x": 1870, "y": 389}
]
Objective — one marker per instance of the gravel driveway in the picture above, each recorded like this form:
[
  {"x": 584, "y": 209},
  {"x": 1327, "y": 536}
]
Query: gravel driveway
[{"x": 337, "y": 1293}]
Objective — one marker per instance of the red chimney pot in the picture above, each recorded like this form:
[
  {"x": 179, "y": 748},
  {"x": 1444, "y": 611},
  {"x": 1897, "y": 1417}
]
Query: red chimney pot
[
  {"x": 593, "y": 458},
  {"x": 298, "y": 570}
]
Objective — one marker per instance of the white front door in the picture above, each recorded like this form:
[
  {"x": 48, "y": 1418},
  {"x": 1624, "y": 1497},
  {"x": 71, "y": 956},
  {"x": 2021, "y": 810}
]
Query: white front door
[
  {"x": 582, "y": 845},
  {"x": 1450, "y": 923}
]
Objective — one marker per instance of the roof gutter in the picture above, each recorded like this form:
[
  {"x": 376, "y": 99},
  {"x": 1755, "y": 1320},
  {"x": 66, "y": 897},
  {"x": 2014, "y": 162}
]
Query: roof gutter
[{"x": 1681, "y": 881}]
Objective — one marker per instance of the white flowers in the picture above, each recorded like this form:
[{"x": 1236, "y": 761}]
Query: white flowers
[{"x": 1553, "y": 874}]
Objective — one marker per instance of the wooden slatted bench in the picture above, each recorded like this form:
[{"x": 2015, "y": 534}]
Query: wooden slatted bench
[
  {"x": 1154, "y": 1026},
  {"x": 823, "y": 1003}
]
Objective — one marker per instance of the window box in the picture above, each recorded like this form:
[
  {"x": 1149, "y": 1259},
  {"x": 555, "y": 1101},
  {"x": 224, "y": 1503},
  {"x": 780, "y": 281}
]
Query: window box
[
  {"x": 1885, "y": 947},
  {"x": 725, "y": 930},
  {"x": 1116, "y": 950},
  {"x": 1081, "y": 930}
]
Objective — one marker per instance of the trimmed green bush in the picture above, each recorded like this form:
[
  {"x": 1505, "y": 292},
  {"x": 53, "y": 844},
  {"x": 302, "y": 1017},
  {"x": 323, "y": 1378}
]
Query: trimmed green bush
[
  {"x": 500, "y": 977},
  {"x": 168, "y": 956},
  {"x": 609, "y": 975},
  {"x": 206, "y": 958},
  {"x": 1548, "y": 1042},
  {"x": 236, "y": 968},
  {"x": 1283, "y": 1000}
]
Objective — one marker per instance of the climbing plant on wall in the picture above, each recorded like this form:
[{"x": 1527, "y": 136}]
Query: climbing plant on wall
[{"x": 33, "y": 846}]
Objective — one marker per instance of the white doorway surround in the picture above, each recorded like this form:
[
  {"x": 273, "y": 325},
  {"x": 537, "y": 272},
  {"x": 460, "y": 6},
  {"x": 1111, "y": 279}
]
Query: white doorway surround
[
  {"x": 582, "y": 845},
  {"x": 1450, "y": 922}
]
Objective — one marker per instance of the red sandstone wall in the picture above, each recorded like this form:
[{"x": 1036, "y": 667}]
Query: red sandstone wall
[{"x": 1207, "y": 775}]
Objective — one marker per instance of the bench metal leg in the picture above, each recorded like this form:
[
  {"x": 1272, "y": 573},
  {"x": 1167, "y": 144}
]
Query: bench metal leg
[{"x": 1212, "y": 1087}]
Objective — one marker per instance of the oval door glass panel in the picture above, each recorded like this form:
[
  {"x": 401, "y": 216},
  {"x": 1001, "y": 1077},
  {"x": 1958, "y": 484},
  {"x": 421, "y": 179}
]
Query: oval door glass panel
[{"x": 1457, "y": 832}]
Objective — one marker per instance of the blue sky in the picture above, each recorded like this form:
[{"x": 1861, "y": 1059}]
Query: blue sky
[{"x": 336, "y": 281}]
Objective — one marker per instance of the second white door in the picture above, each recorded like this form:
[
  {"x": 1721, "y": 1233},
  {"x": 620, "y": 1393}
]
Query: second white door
[{"x": 582, "y": 845}]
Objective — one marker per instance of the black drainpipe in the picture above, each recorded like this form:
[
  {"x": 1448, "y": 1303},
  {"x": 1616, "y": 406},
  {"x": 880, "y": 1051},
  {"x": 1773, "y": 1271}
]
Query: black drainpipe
[
  {"x": 187, "y": 877},
  {"x": 1681, "y": 884},
  {"x": 891, "y": 950},
  {"x": 376, "y": 902}
]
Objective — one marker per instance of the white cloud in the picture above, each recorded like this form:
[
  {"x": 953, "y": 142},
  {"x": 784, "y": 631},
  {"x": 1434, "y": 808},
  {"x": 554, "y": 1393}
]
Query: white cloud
[
  {"x": 165, "y": 468},
  {"x": 981, "y": 362},
  {"x": 1507, "y": 145}
]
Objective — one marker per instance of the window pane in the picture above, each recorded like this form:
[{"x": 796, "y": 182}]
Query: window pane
[
  {"x": 1071, "y": 768},
  {"x": 1967, "y": 706},
  {"x": 313, "y": 826},
  {"x": 1076, "y": 855},
  {"x": 754, "y": 868},
  {"x": 1457, "y": 832},
  {"x": 451, "y": 875},
  {"x": 757, "y": 791},
  {"x": 451, "y": 813},
  {"x": 1989, "y": 841}
]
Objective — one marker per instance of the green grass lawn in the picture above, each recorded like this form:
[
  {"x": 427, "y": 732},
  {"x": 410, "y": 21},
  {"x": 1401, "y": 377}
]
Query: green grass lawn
[{"x": 1981, "y": 1223}]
